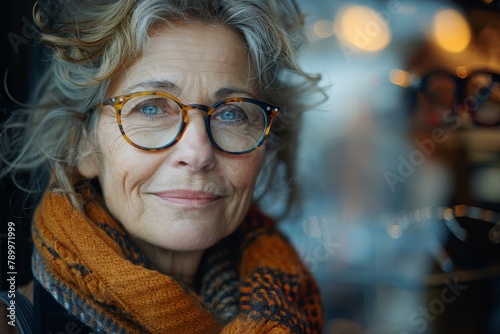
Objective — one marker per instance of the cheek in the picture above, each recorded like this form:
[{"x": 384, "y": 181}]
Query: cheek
[
  {"x": 123, "y": 169},
  {"x": 121, "y": 182},
  {"x": 113, "y": 160},
  {"x": 243, "y": 171}
]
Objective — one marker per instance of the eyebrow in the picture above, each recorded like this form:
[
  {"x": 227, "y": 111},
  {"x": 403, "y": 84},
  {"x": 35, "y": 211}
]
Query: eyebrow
[
  {"x": 154, "y": 84},
  {"x": 170, "y": 87},
  {"x": 225, "y": 92}
]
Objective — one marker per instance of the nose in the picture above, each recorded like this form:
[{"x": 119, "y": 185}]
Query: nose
[{"x": 194, "y": 150}]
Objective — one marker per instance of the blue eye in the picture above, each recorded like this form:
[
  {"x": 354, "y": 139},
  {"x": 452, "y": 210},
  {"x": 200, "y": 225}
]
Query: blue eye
[
  {"x": 228, "y": 115},
  {"x": 150, "y": 110}
]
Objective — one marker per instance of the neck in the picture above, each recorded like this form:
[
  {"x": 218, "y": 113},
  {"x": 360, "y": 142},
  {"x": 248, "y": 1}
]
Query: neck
[{"x": 180, "y": 264}]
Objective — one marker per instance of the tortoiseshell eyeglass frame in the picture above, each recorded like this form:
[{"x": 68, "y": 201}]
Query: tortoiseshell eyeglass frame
[{"x": 117, "y": 102}]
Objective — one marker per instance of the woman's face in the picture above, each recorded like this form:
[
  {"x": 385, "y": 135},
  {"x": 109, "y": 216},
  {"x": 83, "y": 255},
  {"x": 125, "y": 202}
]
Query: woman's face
[{"x": 190, "y": 195}]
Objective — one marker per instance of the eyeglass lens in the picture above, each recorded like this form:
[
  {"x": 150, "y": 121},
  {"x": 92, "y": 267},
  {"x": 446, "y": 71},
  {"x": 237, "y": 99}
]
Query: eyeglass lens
[
  {"x": 479, "y": 95},
  {"x": 154, "y": 121},
  {"x": 483, "y": 98}
]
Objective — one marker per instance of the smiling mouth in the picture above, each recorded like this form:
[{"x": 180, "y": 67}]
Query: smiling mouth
[{"x": 188, "y": 198}]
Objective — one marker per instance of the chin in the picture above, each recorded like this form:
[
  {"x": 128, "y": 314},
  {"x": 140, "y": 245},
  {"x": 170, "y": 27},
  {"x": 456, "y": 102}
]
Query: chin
[{"x": 186, "y": 235}]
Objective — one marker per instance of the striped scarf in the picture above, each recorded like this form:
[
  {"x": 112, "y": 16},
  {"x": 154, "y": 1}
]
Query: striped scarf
[{"x": 250, "y": 282}]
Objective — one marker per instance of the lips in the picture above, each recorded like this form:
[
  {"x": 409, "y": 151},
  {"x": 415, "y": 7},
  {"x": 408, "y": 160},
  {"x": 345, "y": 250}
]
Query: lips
[{"x": 188, "y": 197}]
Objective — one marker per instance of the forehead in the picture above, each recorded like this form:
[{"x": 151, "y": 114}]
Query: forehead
[
  {"x": 189, "y": 52},
  {"x": 203, "y": 42}
]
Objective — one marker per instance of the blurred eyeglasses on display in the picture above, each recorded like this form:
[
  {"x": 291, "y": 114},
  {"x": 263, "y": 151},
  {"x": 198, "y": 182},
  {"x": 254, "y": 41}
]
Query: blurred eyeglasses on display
[{"x": 461, "y": 103}]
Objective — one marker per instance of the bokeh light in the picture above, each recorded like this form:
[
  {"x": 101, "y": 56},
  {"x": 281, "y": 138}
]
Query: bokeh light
[
  {"x": 323, "y": 28},
  {"x": 451, "y": 31},
  {"x": 400, "y": 78},
  {"x": 363, "y": 28},
  {"x": 462, "y": 72}
]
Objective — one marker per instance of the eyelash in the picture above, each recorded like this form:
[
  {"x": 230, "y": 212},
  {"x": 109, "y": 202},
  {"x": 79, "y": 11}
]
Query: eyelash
[{"x": 140, "y": 105}]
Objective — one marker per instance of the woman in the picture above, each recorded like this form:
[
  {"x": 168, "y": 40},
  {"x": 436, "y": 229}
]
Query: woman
[{"x": 152, "y": 122}]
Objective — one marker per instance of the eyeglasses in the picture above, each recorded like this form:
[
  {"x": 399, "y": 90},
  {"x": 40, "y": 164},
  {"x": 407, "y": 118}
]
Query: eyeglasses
[
  {"x": 476, "y": 96},
  {"x": 473, "y": 241},
  {"x": 154, "y": 121}
]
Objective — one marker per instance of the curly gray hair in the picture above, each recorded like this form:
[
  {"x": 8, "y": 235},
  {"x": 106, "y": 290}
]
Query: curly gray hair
[{"x": 91, "y": 41}]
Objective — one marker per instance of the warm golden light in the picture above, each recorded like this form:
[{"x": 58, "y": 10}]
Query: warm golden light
[
  {"x": 462, "y": 72},
  {"x": 451, "y": 30},
  {"x": 400, "y": 78},
  {"x": 395, "y": 231},
  {"x": 363, "y": 28},
  {"x": 448, "y": 214},
  {"x": 323, "y": 28}
]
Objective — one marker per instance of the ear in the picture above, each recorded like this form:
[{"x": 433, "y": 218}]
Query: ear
[{"x": 88, "y": 163}]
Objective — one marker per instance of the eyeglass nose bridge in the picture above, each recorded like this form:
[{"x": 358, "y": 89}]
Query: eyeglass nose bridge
[
  {"x": 185, "y": 108},
  {"x": 196, "y": 106}
]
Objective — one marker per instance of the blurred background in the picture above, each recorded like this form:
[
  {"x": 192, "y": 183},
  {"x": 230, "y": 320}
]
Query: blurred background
[{"x": 400, "y": 167}]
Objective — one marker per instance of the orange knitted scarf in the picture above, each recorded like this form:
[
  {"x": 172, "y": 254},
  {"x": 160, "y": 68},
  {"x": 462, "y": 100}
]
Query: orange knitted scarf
[{"x": 251, "y": 282}]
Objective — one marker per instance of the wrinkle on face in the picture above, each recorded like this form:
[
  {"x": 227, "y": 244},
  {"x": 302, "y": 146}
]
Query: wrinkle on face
[{"x": 199, "y": 64}]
